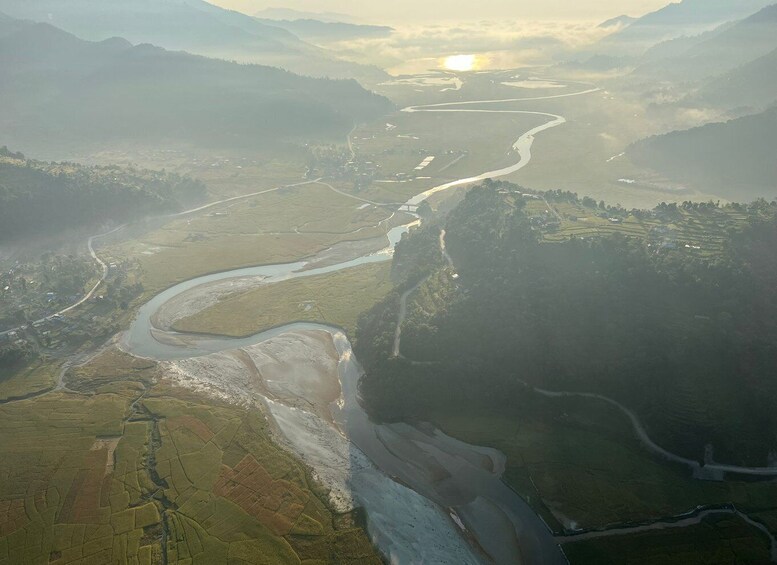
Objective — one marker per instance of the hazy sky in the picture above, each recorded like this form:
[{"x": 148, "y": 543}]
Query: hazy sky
[{"x": 396, "y": 11}]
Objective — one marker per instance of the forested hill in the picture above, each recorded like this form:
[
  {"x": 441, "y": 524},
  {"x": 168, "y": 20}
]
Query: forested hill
[
  {"x": 38, "y": 198},
  {"x": 734, "y": 159},
  {"x": 62, "y": 92},
  {"x": 687, "y": 338}
]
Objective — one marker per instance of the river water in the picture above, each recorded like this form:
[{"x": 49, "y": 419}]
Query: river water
[{"x": 429, "y": 498}]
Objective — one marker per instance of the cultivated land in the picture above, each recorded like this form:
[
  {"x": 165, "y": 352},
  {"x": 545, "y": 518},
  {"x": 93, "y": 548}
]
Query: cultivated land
[
  {"x": 702, "y": 231},
  {"x": 140, "y": 468},
  {"x": 582, "y": 156},
  {"x": 33, "y": 377},
  {"x": 276, "y": 227}
]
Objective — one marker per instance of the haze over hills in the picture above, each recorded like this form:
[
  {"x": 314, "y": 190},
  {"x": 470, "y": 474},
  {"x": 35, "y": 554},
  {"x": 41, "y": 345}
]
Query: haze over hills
[
  {"x": 66, "y": 93},
  {"x": 491, "y": 313},
  {"x": 38, "y": 198},
  {"x": 280, "y": 13},
  {"x": 618, "y": 22},
  {"x": 752, "y": 86},
  {"x": 719, "y": 51},
  {"x": 734, "y": 159},
  {"x": 190, "y": 25},
  {"x": 318, "y": 30},
  {"x": 688, "y": 17}
]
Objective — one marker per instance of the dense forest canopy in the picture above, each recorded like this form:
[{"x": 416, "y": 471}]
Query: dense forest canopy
[
  {"x": 45, "y": 198},
  {"x": 686, "y": 340}
]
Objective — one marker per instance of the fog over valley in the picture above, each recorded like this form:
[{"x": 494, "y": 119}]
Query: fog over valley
[{"x": 344, "y": 282}]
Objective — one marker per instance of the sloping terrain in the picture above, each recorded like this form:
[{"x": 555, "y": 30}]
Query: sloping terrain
[
  {"x": 751, "y": 86},
  {"x": 734, "y": 159},
  {"x": 716, "y": 52},
  {"x": 66, "y": 92},
  {"x": 189, "y": 25},
  {"x": 688, "y": 17}
]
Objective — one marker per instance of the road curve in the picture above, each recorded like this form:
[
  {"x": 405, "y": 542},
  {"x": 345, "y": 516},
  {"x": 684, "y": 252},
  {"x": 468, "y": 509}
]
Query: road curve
[
  {"x": 698, "y": 469},
  {"x": 104, "y": 267}
]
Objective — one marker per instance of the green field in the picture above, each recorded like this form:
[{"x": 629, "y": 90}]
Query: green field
[
  {"x": 277, "y": 227},
  {"x": 336, "y": 298}
]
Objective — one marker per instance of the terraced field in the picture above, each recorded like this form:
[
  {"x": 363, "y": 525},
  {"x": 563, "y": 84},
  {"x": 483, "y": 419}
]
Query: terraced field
[
  {"x": 699, "y": 232},
  {"x": 140, "y": 472}
]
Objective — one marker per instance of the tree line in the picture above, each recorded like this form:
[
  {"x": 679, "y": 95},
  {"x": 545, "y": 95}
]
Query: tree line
[
  {"x": 46, "y": 198},
  {"x": 686, "y": 340}
]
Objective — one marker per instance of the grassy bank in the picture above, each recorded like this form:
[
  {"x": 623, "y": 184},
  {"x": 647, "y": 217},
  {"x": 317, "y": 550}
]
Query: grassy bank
[{"x": 338, "y": 298}]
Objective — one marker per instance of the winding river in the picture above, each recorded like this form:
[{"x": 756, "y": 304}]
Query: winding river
[{"x": 429, "y": 498}]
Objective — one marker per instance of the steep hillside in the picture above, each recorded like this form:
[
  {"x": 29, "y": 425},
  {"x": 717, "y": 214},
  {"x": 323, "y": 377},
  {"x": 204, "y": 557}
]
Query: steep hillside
[
  {"x": 69, "y": 92},
  {"x": 720, "y": 51},
  {"x": 751, "y": 86},
  {"x": 684, "y": 338},
  {"x": 733, "y": 159},
  {"x": 688, "y": 17}
]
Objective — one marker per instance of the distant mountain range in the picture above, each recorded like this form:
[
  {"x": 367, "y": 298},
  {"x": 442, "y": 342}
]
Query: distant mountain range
[
  {"x": 731, "y": 70},
  {"x": 688, "y": 17},
  {"x": 190, "y": 25},
  {"x": 716, "y": 52},
  {"x": 735, "y": 159},
  {"x": 317, "y": 30},
  {"x": 618, "y": 22},
  {"x": 60, "y": 92},
  {"x": 277, "y": 13}
]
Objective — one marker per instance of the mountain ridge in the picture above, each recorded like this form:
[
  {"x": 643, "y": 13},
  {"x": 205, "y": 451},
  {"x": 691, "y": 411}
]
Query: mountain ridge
[
  {"x": 67, "y": 91},
  {"x": 194, "y": 26}
]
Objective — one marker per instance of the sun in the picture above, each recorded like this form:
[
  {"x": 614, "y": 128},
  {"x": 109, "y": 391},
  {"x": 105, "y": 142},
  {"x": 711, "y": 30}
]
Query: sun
[{"x": 460, "y": 62}]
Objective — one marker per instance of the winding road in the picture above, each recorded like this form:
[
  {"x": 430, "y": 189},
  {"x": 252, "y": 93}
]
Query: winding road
[{"x": 707, "y": 471}]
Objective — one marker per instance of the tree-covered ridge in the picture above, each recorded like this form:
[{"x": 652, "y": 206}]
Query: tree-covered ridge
[
  {"x": 44, "y": 198},
  {"x": 687, "y": 340},
  {"x": 64, "y": 92},
  {"x": 734, "y": 159}
]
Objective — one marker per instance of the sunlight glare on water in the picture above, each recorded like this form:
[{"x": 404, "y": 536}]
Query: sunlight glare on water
[{"x": 460, "y": 62}]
